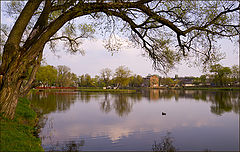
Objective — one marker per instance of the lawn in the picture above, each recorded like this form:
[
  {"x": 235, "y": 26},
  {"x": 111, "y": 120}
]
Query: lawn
[{"x": 18, "y": 134}]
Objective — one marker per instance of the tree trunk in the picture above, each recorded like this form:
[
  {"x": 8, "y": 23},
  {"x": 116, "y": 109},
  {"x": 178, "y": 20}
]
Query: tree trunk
[
  {"x": 8, "y": 100},
  {"x": 12, "y": 79},
  {"x": 28, "y": 86},
  {"x": 9, "y": 90}
]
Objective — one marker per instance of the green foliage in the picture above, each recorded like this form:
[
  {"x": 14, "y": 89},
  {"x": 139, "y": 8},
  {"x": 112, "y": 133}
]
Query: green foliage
[
  {"x": 86, "y": 81},
  {"x": 60, "y": 76},
  {"x": 105, "y": 75},
  {"x": 105, "y": 90},
  {"x": 122, "y": 76},
  {"x": 167, "y": 81},
  {"x": 203, "y": 79},
  {"x": 221, "y": 74},
  {"x": 136, "y": 81},
  {"x": 46, "y": 75},
  {"x": 235, "y": 75},
  {"x": 197, "y": 81},
  {"x": 17, "y": 134}
]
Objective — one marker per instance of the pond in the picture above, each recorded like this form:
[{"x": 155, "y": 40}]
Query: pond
[{"x": 186, "y": 120}]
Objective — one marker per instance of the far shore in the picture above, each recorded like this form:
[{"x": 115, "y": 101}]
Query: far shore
[
  {"x": 199, "y": 88},
  {"x": 129, "y": 90},
  {"x": 84, "y": 89}
]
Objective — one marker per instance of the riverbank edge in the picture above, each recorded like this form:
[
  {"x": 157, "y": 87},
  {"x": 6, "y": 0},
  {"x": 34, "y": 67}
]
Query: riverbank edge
[
  {"x": 135, "y": 90},
  {"x": 19, "y": 134},
  {"x": 200, "y": 88},
  {"x": 88, "y": 90}
]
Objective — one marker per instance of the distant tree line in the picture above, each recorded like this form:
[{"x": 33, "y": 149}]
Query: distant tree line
[
  {"x": 61, "y": 76},
  {"x": 218, "y": 75}
]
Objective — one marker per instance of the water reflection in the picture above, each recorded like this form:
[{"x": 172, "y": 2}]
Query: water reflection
[
  {"x": 122, "y": 103},
  {"x": 222, "y": 101},
  {"x": 47, "y": 102},
  {"x": 67, "y": 146},
  {"x": 198, "y": 120},
  {"x": 165, "y": 145}
]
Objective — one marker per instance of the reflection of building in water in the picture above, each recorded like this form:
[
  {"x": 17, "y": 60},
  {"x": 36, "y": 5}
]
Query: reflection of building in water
[{"x": 154, "y": 94}]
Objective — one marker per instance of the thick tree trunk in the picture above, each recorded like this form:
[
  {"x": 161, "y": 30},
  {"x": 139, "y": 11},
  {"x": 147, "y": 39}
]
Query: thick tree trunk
[
  {"x": 28, "y": 86},
  {"x": 10, "y": 87},
  {"x": 8, "y": 100},
  {"x": 12, "y": 79}
]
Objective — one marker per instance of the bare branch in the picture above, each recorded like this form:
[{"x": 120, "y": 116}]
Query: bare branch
[
  {"x": 213, "y": 21},
  {"x": 22, "y": 21}
]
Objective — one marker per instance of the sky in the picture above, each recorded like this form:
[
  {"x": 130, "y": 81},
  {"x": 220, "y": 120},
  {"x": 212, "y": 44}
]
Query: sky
[{"x": 97, "y": 57}]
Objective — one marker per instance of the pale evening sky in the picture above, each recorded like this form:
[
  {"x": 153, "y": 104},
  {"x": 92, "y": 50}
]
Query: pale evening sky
[{"x": 97, "y": 57}]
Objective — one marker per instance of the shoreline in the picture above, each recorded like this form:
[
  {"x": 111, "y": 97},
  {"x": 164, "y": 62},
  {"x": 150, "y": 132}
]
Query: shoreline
[
  {"x": 88, "y": 90},
  {"x": 20, "y": 134},
  {"x": 134, "y": 90},
  {"x": 198, "y": 88}
]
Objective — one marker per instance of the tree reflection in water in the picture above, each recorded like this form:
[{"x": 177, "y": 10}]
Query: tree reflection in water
[
  {"x": 222, "y": 101},
  {"x": 105, "y": 105},
  {"x": 122, "y": 103},
  {"x": 47, "y": 102},
  {"x": 165, "y": 145},
  {"x": 67, "y": 146}
]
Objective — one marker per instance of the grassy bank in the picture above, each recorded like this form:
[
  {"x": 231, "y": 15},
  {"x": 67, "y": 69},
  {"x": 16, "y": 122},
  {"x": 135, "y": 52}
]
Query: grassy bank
[
  {"x": 105, "y": 90},
  {"x": 87, "y": 90},
  {"x": 200, "y": 88},
  {"x": 18, "y": 134},
  {"x": 211, "y": 88}
]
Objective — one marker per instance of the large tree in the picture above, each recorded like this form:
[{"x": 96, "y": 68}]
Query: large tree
[
  {"x": 105, "y": 74},
  {"x": 191, "y": 27},
  {"x": 235, "y": 74},
  {"x": 221, "y": 74},
  {"x": 46, "y": 76},
  {"x": 122, "y": 76},
  {"x": 63, "y": 75}
]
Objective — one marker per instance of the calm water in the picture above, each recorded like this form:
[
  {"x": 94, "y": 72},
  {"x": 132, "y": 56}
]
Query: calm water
[{"x": 194, "y": 120}]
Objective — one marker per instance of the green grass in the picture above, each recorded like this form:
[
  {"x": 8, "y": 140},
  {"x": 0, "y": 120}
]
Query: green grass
[
  {"x": 211, "y": 88},
  {"x": 17, "y": 134},
  {"x": 87, "y": 89},
  {"x": 105, "y": 90}
]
